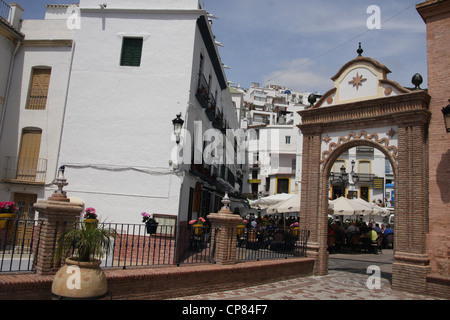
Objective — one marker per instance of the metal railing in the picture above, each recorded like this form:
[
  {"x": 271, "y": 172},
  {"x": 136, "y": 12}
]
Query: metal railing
[
  {"x": 18, "y": 243},
  {"x": 135, "y": 245},
  {"x": 4, "y": 10},
  {"x": 32, "y": 170},
  {"x": 271, "y": 243},
  {"x": 37, "y": 99}
]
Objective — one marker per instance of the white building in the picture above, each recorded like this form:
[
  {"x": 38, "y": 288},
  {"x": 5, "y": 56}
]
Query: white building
[
  {"x": 275, "y": 152},
  {"x": 117, "y": 77},
  {"x": 33, "y": 112}
]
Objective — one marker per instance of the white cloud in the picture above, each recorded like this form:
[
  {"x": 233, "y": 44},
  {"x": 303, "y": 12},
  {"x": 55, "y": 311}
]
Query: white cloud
[{"x": 300, "y": 75}]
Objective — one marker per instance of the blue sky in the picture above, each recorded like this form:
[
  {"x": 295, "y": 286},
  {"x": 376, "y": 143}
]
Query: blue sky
[{"x": 302, "y": 44}]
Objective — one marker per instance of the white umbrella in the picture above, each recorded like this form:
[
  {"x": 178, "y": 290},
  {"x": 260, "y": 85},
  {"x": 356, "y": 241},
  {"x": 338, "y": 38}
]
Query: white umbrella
[
  {"x": 346, "y": 207},
  {"x": 290, "y": 205},
  {"x": 266, "y": 202},
  {"x": 376, "y": 209},
  {"x": 274, "y": 208}
]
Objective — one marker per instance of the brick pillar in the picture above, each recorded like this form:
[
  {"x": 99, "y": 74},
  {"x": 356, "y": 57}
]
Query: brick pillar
[
  {"x": 436, "y": 15},
  {"x": 56, "y": 214},
  {"x": 310, "y": 217},
  {"x": 411, "y": 261},
  {"x": 224, "y": 234}
]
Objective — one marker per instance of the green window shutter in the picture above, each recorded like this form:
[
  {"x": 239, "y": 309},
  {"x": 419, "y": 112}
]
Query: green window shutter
[{"x": 131, "y": 52}]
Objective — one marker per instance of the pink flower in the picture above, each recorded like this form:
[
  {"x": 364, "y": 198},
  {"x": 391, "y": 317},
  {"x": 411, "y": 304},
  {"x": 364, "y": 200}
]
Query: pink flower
[
  {"x": 90, "y": 213},
  {"x": 192, "y": 221}
]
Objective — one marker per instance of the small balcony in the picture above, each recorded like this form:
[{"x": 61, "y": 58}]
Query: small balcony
[
  {"x": 365, "y": 177},
  {"x": 24, "y": 170}
]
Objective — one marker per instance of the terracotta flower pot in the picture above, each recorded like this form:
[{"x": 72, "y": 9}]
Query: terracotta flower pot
[{"x": 79, "y": 280}]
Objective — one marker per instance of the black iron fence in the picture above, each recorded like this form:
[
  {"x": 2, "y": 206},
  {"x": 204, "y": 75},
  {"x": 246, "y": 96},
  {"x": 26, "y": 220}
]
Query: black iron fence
[
  {"x": 136, "y": 245},
  {"x": 18, "y": 243},
  {"x": 271, "y": 243}
]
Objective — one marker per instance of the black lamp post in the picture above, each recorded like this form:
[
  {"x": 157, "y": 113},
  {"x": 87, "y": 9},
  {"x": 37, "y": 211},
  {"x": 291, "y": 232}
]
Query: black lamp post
[
  {"x": 177, "y": 126},
  {"x": 342, "y": 178},
  {"x": 446, "y": 112},
  {"x": 353, "y": 173}
]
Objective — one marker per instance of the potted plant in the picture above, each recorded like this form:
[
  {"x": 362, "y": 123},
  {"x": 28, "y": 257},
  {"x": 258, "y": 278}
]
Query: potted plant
[
  {"x": 294, "y": 229},
  {"x": 8, "y": 212},
  {"x": 241, "y": 227},
  {"x": 198, "y": 225},
  {"x": 150, "y": 222},
  {"x": 90, "y": 217},
  {"x": 82, "y": 248}
]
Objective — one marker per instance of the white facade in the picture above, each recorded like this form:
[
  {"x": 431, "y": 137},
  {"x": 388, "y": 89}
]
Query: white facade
[
  {"x": 275, "y": 155},
  {"x": 47, "y": 45},
  {"x": 109, "y": 123}
]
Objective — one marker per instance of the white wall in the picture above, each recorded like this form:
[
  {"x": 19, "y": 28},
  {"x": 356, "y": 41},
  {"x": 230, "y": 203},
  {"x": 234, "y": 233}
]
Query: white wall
[
  {"x": 117, "y": 137},
  {"x": 50, "y": 120}
]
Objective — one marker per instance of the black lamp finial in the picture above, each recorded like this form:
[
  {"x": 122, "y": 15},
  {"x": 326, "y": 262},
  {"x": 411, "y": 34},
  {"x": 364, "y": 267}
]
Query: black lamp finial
[{"x": 360, "y": 50}]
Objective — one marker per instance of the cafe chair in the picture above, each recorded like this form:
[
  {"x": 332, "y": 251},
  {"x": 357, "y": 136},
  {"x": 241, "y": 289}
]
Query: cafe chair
[{"x": 377, "y": 245}]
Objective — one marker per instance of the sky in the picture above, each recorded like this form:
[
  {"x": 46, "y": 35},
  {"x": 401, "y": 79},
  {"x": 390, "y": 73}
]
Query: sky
[{"x": 301, "y": 44}]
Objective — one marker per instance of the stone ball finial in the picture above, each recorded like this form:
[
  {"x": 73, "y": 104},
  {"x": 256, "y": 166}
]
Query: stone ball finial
[{"x": 312, "y": 99}]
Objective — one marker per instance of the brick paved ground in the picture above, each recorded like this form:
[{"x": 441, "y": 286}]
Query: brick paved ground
[{"x": 346, "y": 281}]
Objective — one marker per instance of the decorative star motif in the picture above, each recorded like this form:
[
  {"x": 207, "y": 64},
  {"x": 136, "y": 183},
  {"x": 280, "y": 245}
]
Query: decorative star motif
[
  {"x": 391, "y": 133},
  {"x": 327, "y": 139},
  {"x": 357, "y": 81}
]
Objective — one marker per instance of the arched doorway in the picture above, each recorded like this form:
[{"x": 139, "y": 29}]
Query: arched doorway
[{"x": 385, "y": 116}]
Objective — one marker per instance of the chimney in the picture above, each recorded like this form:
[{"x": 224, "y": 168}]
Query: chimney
[{"x": 15, "y": 15}]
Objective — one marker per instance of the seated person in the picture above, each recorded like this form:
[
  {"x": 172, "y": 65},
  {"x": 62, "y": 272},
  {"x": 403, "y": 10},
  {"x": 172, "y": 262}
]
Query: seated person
[
  {"x": 377, "y": 229},
  {"x": 339, "y": 232},
  {"x": 388, "y": 230},
  {"x": 373, "y": 236}
]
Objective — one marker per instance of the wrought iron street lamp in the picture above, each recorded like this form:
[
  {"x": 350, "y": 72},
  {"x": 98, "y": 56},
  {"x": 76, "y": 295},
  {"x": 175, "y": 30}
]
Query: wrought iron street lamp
[
  {"x": 342, "y": 178},
  {"x": 446, "y": 112},
  {"x": 177, "y": 126},
  {"x": 355, "y": 177}
]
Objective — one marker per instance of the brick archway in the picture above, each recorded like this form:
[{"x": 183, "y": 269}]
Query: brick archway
[{"x": 398, "y": 127}]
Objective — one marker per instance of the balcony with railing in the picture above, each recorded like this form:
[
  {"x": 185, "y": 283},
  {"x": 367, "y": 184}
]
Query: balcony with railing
[
  {"x": 366, "y": 177},
  {"x": 4, "y": 10},
  {"x": 37, "y": 99},
  {"x": 202, "y": 94},
  {"x": 24, "y": 170}
]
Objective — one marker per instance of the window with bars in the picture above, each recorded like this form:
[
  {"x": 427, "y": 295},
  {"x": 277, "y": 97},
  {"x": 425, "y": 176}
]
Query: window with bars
[
  {"x": 131, "y": 52},
  {"x": 38, "y": 91}
]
